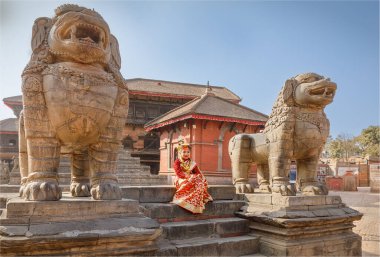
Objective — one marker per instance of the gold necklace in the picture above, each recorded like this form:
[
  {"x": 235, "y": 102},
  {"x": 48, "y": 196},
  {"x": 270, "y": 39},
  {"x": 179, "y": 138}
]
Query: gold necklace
[{"x": 185, "y": 165}]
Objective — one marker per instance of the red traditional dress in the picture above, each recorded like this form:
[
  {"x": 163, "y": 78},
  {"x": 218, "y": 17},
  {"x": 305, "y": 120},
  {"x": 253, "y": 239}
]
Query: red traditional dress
[{"x": 191, "y": 186}]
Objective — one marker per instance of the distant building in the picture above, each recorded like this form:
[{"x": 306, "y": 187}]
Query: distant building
[
  {"x": 207, "y": 123},
  {"x": 148, "y": 100},
  {"x": 8, "y": 140}
]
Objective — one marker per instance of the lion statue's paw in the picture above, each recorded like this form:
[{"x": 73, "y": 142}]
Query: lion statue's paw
[
  {"x": 80, "y": 189},
  {"x": 22, "y": 186},
  {"x": 317, "y": 189},
  {"x": 41, "y": 191},
  {"x": 106, "y": 191},
  {"x": 284, "y": 190},
  {"x": 265, "y": 188},
  {"x": 242, "y": 188}
]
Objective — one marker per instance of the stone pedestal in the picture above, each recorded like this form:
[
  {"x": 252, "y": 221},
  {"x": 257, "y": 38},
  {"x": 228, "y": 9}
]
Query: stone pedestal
[
  {"x": 76, "y": 227},
  {"x": 302, "y": 225}
]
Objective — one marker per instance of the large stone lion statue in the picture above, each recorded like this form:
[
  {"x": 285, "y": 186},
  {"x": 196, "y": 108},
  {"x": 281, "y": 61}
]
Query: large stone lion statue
[
  {"x": 297, "y": 129},
  {"x": 74, "y": 101}
]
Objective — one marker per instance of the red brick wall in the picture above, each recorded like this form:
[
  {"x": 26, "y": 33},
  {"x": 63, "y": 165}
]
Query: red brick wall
[{"x": 204, "y": 138}]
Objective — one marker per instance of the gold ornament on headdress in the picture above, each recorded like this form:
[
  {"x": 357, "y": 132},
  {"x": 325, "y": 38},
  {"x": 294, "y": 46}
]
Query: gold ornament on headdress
[{"x": 182, "y": 144}]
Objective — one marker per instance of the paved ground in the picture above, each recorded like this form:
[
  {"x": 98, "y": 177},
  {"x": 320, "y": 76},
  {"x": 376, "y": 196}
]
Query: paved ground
[{"x": 369, "y": 226}]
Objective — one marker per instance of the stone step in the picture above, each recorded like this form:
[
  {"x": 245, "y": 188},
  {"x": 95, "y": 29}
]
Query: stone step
[
  {"x": 122, "y": 167},
  {"x": 229, "y": 246},
  {"x": 136, "y": 174},
  {"x": 165, "y": 193},
  {"x": 168, "y": 212},
  {"x": 4, "y": 197},
  {"x": 9, "y": 188},
  {"x": 254, "y": 255},
  {"x": 223, "y": 227},
  {"x": 141, "y": 182},
  {"x": 121, "y": 236},
  {"x": 67, "y": 209}
]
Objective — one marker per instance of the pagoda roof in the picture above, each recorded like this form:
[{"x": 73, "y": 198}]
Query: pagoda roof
[
  {"x": 209, "y": 107},
  {"x": 141, "y": 86},
  {"x": 161, "y": 88},
  {"x": 17, "y": 99},
  {"x": 8, "y": 126}
]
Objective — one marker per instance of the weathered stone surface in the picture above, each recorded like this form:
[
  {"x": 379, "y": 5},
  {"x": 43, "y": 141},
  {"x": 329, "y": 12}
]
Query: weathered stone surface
[
  {"x": 165, "y": 193},
  {"x": 69, "y": 209},
  {"x": 4, "y": 173},
  {"x": 75, "y": 100},
  {"x": 303, "y": 225},
  {"x": 171, "y": 212},
  {"x": 76, "y": 226},
  {"x": 198, "y": 248},
  {"x": 231, "y": 246},
  {"x": 130, "y": 172},
  {"x": 342, "y": 245},
  {"x": 238, "y": 245},
  {"x": 206, "y": 228},
  {"x": 297, "y": 129}
]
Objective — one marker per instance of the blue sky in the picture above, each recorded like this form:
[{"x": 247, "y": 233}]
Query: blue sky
[{"x": 250, "y": 47}]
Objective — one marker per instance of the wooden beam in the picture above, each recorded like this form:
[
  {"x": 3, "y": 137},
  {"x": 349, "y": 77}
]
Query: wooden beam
[
  {"x": 221, "y": 125},
  {"x": 232, "y": 126},
  {"x": 245, "y": 127},
  {"x": 204, "y": 123}
]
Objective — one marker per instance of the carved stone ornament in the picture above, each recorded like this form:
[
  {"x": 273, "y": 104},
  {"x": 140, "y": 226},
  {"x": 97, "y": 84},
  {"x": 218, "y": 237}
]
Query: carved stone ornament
[
  {"x": 75, "y": 98},
  {"x": 297, "y": 129}
]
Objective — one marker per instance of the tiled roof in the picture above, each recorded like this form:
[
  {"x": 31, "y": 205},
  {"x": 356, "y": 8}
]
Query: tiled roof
[
  {"x": 8, "y": 125},
  {"x": 163, "y": 88},
  {"x": 185, "y": 90},
  {"x": 17, "y": 98},
  {"x": 209, "y": 106}
]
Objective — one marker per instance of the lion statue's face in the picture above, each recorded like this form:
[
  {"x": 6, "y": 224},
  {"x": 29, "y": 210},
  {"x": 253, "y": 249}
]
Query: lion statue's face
[
  {"x": 314, "y": 90},
  {"x": 80, "y": 36}
]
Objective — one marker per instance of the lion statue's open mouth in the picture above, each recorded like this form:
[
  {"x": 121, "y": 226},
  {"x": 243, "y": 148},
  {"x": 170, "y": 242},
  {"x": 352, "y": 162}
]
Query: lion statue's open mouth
[
  {"x": 80, "y": 36},
  {"x": 84, "y": 33}
]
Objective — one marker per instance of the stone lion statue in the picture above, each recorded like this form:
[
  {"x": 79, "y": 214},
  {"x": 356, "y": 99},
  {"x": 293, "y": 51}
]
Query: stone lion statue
[
  {"x": 74, "y": 101},
  {"x": 297, "y": 129}
]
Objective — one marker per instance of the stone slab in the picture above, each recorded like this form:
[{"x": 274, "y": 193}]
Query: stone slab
[
  {"x": 287, "y": 201},
  {"x": 230, "y": 246},
  {"x": 165, "y": 193},
  {"x": 171, "y": 211},
  {"x": 69, "y": 208},
  {"x": 212, "y": 227},
  {"x": 237, "y": 246},
  {"x": 335, "y": 245},
  {"x": 96, "y": 237}
]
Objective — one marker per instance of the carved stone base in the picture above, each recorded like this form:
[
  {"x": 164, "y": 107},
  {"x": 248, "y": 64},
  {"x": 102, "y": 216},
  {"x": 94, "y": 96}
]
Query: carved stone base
[
  {"x": 76, "y": 227},
  {"x": 303, "y": 225}
]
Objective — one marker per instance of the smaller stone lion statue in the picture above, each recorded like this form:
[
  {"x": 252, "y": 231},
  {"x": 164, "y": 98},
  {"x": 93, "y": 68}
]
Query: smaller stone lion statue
[
  {"x": 75, "y": 101},
  {"x": 297, "y": 129}
]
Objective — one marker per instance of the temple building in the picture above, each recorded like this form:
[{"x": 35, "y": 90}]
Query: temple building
[
  {"x": 8, "y": 140},
  {"x": 207, "y": 123},
  {"x": 148, "y": 100}
]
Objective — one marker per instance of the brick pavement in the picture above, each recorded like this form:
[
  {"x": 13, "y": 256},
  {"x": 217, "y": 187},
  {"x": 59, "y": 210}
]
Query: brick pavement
[{"x": 369, "y": 226}]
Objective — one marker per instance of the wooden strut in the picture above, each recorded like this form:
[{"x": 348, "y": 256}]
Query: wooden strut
[{"x": 232, "y": 126}]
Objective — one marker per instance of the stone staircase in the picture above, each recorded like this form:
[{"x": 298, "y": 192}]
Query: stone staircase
[
  {"x": 215, "y": 232},
  {"x": 129, "y": 172}
]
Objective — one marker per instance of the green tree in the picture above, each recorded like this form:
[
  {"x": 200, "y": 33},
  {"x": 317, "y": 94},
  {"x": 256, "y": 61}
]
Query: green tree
[
  {"x": 369, "y": 141},
  {"x": 343, "y": 146}
]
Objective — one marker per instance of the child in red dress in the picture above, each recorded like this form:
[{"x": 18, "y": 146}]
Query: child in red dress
[{"x": 190, "y": 183}]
